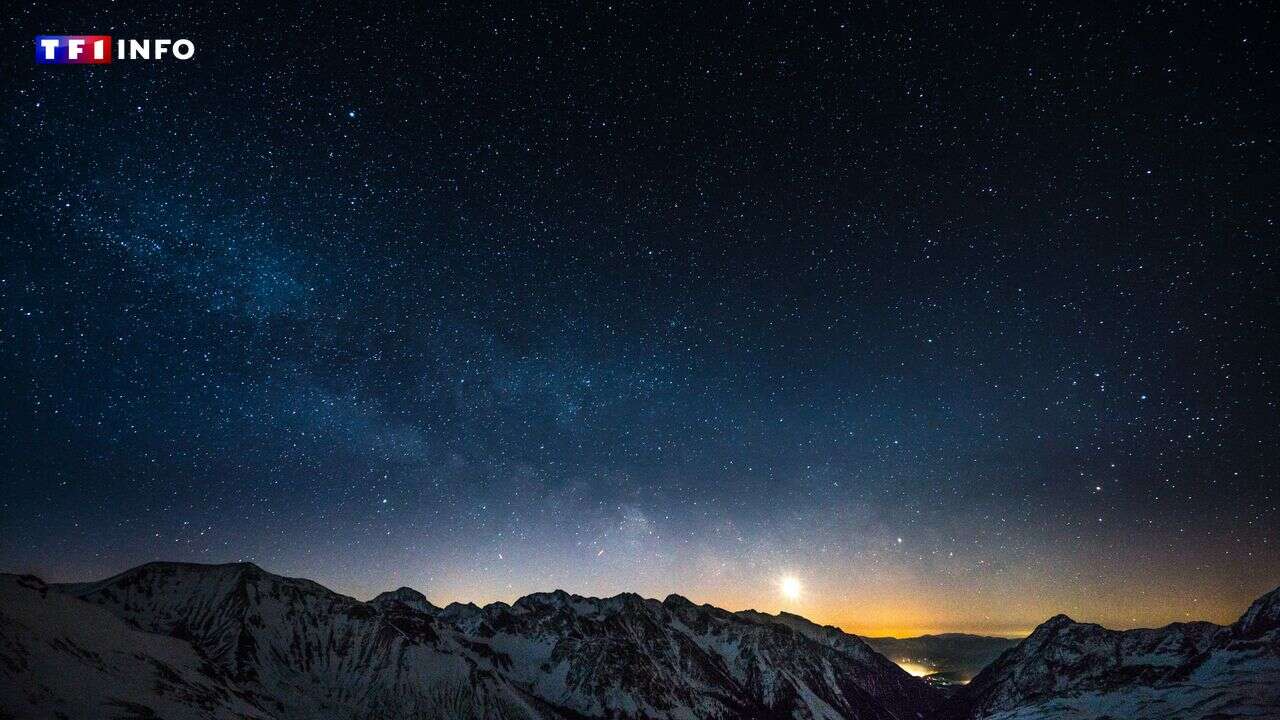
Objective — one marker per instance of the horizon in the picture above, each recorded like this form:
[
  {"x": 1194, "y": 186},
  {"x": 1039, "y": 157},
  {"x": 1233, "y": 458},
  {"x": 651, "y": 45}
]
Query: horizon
[{"x": 794, "y": 609}]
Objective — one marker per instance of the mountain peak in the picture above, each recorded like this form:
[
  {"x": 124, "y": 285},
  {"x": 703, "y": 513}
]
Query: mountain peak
[
  {"x": 1059, "y": 620},
  {"x": 1261, "y": 617},
  {"x": 402, "y": 593},
  {"x": 1195, "y": 669},
  {"x": 167, "y": 572},
  {"x": 1059, "y": 623},
  {"x": 556, "y": 598},
  {"x": 406, "y": 596},
  {"x": 793, "y": 616},
  {"x": 675, "y": 600}
]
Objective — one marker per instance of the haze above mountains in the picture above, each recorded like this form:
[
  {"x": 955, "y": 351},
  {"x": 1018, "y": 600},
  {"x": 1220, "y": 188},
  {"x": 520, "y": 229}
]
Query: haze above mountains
[{"x": 173, "y": 640}]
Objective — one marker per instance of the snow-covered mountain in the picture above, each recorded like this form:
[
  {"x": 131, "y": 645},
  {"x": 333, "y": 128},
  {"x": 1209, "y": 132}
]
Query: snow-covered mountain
[
  {"x": 294, "y": 649},
  {"x": 170, "y": 640},
  {"x": 236, "y": 641},
  {"x": 1076, "y": 670},
  {"x": 63, "y": 658}
]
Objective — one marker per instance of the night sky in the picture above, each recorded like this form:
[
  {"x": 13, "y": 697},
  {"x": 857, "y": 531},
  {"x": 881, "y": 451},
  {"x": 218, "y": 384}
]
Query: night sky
[{"x": 960, "y": 319}]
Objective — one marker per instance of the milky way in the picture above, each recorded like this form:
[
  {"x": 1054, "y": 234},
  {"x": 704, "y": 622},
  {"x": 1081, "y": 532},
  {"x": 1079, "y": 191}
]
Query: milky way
[{"x": 958, "y": 320}]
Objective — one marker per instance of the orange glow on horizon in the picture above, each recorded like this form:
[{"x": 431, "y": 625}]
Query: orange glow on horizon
[{"x": 879, "y": 603}]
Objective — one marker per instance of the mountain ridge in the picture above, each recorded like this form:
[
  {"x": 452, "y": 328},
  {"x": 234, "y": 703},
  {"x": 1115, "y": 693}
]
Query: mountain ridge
[
  {"x": 1069, "y": 669},
  {"x": 188, "y": 640},
  {"x": 295, "y": 649}
]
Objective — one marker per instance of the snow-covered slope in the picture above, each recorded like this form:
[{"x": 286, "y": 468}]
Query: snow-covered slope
[
  {"x": 630, "y": 656},
  {"x": 1076, "y": 670},
  {"x": 891, "y": 683},
  {"x": 62, "y": 658},
  {"x": 182, "y": 641},
  {"x": 954, "y": 657},
  {"x": 287, "y": 648},
  {"x": 1261, "y": 620},
  {"x": 299, "y": 650},
  {"x": 851, "y": 645}
]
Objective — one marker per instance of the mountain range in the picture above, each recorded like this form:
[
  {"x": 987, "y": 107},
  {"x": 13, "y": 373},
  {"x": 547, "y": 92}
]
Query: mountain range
[
  {"x": 176, "y": 640},
  {"x": 1066, "y": 669}
]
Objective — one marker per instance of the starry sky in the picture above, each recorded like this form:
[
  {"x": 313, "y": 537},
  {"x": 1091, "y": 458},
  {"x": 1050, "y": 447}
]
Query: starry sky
[{"x": 958, "y": 319}]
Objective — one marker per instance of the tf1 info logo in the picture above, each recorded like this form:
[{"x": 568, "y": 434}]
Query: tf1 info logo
[{"x": 97, "y": 49}]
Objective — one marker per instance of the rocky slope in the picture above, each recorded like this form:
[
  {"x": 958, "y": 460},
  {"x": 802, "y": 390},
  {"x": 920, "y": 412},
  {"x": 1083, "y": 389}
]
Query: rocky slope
[
  {"x": 169, "y": 640},
  {"x": 63, "y": 658},
  {"x": 236, "y": 641},
  {"x": 294, "y": 649},
  {"x": 1076, "y": 670}
]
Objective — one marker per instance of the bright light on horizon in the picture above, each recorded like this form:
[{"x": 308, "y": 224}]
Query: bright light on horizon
[{"x": 790, "y": 586}]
